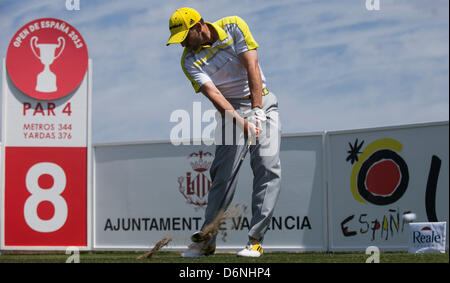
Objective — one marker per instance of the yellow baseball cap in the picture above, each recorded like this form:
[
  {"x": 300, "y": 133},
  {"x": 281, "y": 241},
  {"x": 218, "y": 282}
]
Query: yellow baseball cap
[{"x": 180, "y": 23}]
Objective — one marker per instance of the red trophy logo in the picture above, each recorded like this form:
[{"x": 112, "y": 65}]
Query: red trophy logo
[
  {"x": 47, "y": 59},
  {"x": 46, "y": 80}
]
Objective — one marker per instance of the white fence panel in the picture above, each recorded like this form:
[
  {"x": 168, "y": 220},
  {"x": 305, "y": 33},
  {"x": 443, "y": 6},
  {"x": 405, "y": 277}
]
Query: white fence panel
[
  {"x": 377, "y": 175},
  {"x": 141, "y": 196}
]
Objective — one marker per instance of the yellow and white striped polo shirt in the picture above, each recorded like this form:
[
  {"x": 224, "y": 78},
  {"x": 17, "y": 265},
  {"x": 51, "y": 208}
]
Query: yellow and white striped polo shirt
[{"x": 219, "y": 63}]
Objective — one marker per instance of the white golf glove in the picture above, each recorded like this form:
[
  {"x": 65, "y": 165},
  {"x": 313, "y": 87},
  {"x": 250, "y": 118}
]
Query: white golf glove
[{"x": 258, "y": 116}]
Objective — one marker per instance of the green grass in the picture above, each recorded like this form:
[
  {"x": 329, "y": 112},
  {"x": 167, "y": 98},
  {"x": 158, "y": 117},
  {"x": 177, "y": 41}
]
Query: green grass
[{"x": 268, "y": 257}]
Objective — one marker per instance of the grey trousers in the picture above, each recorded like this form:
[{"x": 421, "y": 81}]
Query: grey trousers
[{"x": 265, "y": 164}]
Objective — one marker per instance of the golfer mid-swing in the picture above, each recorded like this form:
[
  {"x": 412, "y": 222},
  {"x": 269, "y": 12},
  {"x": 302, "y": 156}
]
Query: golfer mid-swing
[{"x": 221, "y": 61}]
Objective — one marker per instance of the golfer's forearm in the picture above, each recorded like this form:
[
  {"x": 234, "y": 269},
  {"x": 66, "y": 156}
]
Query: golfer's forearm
[
  {"x": 250, "y": 61},
  {"x": 228, "y": 112},
  {"x": 222, "y": 105},
  {"x": 255, "y": 84}
]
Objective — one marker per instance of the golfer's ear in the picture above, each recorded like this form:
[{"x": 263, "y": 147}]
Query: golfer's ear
[{"x": 198, "y": 26}]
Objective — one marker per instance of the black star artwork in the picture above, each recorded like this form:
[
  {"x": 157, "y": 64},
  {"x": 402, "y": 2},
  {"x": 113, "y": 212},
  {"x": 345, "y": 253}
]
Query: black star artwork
[{"x": 354, "y": 151}]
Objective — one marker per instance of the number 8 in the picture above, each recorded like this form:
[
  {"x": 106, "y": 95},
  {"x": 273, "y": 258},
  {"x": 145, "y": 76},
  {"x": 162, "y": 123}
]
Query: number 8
[{"x": 39, "y": 195}]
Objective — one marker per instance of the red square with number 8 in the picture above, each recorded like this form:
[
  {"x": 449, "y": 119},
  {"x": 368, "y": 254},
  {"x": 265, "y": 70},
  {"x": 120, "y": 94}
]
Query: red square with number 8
[{"x": 45, "y": 196}]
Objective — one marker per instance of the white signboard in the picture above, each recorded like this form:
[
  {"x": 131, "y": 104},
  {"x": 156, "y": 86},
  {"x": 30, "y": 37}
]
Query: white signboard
[
  {"x": 46, "y": 138},
  {"x": 375, "y": 176},
  {"x": 144, "y": 192},
  {"x": 40, "y": 123},
  {"x": 427, "y": 237}
]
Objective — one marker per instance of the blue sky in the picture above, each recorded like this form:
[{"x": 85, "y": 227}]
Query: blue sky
[{"x": 334, "y": 65}]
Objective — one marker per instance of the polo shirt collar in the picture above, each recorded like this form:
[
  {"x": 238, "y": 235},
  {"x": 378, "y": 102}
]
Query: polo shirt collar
[{"x": 222, "y": 36}]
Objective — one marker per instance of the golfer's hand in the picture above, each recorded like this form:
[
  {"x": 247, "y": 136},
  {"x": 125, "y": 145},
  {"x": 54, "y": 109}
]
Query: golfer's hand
[
  {"x": 252, "y": 131},
  {"x": 259, "y": 114},
  {"x": 258, "y": 117}
]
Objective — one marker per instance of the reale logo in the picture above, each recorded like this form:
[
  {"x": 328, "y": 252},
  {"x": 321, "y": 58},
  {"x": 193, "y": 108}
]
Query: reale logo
[
  {"x": 47, "y": 59},
  {"x": 425, "y": 237}
]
